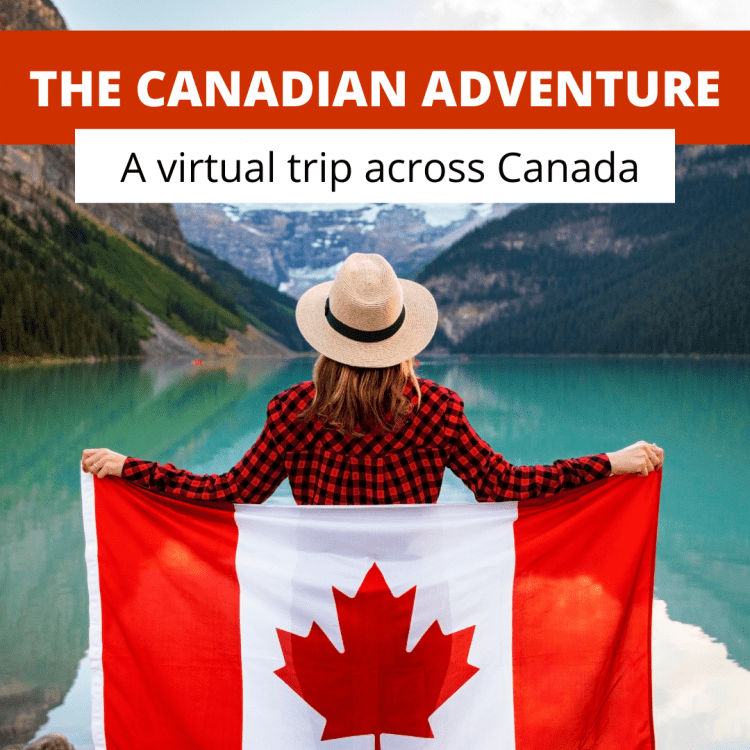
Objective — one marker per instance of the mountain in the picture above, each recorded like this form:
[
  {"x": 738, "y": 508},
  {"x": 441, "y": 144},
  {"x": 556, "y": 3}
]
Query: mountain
[
  {"x": 36, "y": 187},
  {"x": 608, "y": 278},
  {"x": 73, "y": 284},
  {"x": 69, "y": 274},
  {"x": 294, "y": 249},
  {"x": 30, "y": 15},
  {"x": 266, "y": 308}
]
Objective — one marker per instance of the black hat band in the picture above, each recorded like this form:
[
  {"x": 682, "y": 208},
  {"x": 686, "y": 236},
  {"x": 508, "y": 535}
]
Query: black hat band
[{"x": 365, "y": 337}]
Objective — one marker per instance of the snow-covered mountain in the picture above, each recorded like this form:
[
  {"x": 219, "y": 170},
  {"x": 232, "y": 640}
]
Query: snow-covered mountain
[{"x": 296, "y": 246}]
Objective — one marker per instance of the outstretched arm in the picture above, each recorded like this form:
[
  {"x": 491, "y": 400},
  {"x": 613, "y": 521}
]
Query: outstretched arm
[
  {"x": 252, "y": 480},
  {"x": 491, "y": 478}
]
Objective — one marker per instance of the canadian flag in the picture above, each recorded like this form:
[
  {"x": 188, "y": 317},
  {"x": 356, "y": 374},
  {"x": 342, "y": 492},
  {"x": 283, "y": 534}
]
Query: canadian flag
[{"x": 435, "y": 627}]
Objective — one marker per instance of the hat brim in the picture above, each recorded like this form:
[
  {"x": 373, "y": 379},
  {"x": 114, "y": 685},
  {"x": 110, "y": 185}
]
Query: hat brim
[{"x": 414, "y": 335}]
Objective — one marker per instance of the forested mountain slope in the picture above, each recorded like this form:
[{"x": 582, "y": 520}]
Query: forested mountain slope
[
  {"x": 622, "y": 278},
  {"x": 268, "y": 309},
  {"x": 72, "y": 277},
  {"x": 72, "y": 288}
]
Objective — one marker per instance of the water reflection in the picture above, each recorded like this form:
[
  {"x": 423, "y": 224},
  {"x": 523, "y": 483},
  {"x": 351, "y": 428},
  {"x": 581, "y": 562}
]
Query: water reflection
[
  {"x": 700, "y": 696},
  {"x": 531, "y": 409},
  {"x": 47, "y": 416},
  {"x": 43, "y": 601}
]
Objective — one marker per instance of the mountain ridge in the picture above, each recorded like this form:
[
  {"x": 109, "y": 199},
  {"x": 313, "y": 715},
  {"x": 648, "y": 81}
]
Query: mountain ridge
[
  {"x": 536, "y": 280},
  {"x": 294, "y": 249},
  {"x": 37, "y": 190}
]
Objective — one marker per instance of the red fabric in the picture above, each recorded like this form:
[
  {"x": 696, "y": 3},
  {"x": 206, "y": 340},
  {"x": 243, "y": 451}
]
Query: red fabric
[
  {"x": 582, "y": 600},
  {"x": 171, "y": 658},
  {"x": 327, "y": 468}
]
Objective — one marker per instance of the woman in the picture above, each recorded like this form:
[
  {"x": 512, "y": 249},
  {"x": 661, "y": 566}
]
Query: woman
[{"x": 366, "y": 430}]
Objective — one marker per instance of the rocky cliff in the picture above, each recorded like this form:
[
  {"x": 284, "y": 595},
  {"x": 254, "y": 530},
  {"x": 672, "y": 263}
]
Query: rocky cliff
[
  {"x": 33, "y": 177},
  {"x": 30, "y": 15}
]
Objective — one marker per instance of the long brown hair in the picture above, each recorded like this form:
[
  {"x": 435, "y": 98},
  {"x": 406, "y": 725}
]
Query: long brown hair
[{"x": 353, "y": 400}]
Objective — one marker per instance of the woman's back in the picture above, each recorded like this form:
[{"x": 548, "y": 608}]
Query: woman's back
[
  {"x": 406, "y": 465},
  {"x": 326, "y": 466}
]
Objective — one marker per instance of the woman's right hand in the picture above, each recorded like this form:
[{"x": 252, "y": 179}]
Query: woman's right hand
[
  {"x": 640, "y": 458},
  {"x": 102, "y": 462}
]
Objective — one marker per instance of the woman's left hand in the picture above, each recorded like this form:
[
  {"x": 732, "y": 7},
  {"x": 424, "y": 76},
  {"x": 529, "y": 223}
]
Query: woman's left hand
[
  {"x": 640, "y": 458},
  {"x": 102, "y": 462}
]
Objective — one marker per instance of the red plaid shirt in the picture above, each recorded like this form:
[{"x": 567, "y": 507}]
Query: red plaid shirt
[{"x": 407, "y": 466}]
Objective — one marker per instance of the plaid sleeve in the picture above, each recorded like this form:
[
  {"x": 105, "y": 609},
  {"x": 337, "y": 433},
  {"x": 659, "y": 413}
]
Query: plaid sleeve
[
  {"x": 491, "y": 478},
  {"x": 252, "y": 480}
]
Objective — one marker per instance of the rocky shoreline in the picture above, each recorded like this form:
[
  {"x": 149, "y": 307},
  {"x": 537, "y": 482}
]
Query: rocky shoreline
[{"x": 48, "y": 742}]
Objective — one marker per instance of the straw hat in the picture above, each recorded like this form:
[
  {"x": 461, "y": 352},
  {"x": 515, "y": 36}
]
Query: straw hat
[{"x": 366, "y": 316}]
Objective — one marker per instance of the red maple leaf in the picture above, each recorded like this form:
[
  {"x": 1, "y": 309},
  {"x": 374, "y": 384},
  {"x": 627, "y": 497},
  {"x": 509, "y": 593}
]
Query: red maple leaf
[{"x": 376, "y": 686}]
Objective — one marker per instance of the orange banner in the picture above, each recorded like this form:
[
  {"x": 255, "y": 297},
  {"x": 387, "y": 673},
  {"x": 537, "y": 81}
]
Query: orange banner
[{"x": 695, "y": 82}]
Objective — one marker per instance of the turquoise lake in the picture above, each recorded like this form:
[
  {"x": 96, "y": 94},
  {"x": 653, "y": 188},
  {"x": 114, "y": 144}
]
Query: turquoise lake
[{"x": 531, "y": 409}]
